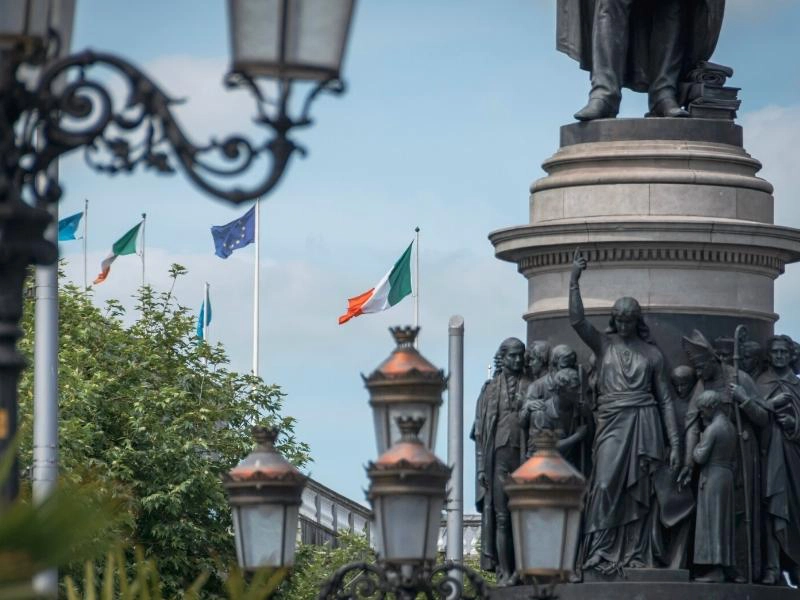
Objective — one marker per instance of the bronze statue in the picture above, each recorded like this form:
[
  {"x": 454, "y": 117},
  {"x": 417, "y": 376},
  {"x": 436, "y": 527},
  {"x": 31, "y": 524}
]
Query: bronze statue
[
  {"x": 537, "y": 359},
  {"x": 683, "y": 380},
  {"x": 563, "y": 357},
  {"x": 751, "y": 361},
  {"x": 634, "y": 410},
  {"x": 781, "y": 389},
  {"x": 647, "y": 46},
  {"x": 751, "y": 418},
  {"x": 498, "y": 436},
  {"x": 715, "y": 452},
  {"x": 552, "y": 403}
]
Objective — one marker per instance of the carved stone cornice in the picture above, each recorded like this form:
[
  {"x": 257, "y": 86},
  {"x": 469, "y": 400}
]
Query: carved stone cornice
[{"x": 688, "y": 242}]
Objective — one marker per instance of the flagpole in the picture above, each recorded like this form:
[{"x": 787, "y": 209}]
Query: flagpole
[
  {"x": 255, "y": 289},
  {"x": 416, "y": 283},
  {"x": 144, "y": 223},
  {"x": 85, "y": 233}
]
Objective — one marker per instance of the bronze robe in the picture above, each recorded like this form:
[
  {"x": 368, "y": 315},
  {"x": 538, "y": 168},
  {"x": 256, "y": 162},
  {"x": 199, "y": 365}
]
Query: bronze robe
[
  {"x": 703, "y": 22},
  {"x": 782, "y": 469}
]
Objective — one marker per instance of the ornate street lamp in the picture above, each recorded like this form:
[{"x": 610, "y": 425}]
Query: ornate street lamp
[
  {"x": 407, "y": 491},
  {"x": 404, "y": 385},
  {"x": 545, "y": 497},
  {"x": 264, "y": 492},
  {"x": 52, "y": 104}
]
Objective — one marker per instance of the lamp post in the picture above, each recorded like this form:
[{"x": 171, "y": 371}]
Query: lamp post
[
  {"x": 405, "y": 384},
  {"x": 52, "y": 104},
  {"x": 545, "y": 498},
  {"x": 264, "y": 492}
]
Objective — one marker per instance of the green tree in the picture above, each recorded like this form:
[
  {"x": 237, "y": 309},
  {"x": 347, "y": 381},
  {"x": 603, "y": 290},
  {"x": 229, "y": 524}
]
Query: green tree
[
  {"x": 314, "y": 565},
  {"x": 152, "y": 417}
]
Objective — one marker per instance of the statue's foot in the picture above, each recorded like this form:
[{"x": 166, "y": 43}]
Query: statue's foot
[
  {"x": 716, "y": 575},
  {"x": 770, "y": 577},
  {"x": 668, "y": 107},
  {"x": 596, "y": 109}
]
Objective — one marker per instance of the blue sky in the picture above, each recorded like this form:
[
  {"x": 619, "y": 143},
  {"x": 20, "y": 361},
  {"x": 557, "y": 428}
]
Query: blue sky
[{"x": 451, "y": 107}]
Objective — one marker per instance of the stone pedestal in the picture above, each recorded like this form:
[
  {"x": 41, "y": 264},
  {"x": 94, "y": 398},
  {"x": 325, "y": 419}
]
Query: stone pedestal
[
  {"x": 649, "y": 591},
  {"x": 669, "y": 211}
]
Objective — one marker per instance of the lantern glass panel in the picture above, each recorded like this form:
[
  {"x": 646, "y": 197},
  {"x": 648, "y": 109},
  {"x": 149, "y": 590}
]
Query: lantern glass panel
[
  {"x": 266, "y": 535},
  {"x": 411, "y": 409},
  {"x": 297, "y": 39},
  {"x": 407, "y": 527},
  {"x": 255, "y": 33},
  {"x": 538, "y": 538},
  {"x": 316, "y": 34},
  {"x": 24, "y": 20}
]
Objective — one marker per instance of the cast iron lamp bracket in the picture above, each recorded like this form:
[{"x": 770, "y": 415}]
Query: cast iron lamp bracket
[
  {"x": 365, "y": 581},
  {"x": 73, "y": 107}
]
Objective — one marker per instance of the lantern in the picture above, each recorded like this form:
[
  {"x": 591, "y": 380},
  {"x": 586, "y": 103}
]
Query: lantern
[
  {"x": 405, "y": 385},
  {"x": 289, "y": 39},
  {"x": 545, "y": 498},
  {"x": 265, "y": 491},
  {"x": 407, "y": 491}
]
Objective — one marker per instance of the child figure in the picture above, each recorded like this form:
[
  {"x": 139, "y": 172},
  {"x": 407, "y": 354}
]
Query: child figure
[
  {"x": 715, "y": 526},
  {"x": 552, "y": 408}
]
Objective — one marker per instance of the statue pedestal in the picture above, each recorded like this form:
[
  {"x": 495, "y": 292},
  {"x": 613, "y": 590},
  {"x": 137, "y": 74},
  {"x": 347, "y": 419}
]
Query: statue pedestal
[
  {"x": 649, "y": 591},
  {"x": 669, "y": 211}
]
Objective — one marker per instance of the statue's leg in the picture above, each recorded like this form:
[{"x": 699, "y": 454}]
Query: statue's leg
[
  {"x": 505, "y": 463},
  {"x": 666, "y": 58},
  {"x": 610, "y": 34},
  {"x": 772, "y": 553}
]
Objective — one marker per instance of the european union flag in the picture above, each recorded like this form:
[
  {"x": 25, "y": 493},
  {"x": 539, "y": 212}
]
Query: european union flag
[
  {"x": 68, "y": 226},
  {"x": 234, "y": 235}
]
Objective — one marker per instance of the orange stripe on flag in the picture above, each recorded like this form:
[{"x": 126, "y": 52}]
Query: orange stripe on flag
[{"x": 354, "y": 305}]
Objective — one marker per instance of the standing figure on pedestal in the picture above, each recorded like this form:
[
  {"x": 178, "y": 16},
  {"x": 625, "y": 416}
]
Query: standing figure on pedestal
[
  {"x": 622, "y": 528},
  {"x": 644, "y": 45},
  {"x": 715, "y": 452},
  {"x": 781, "y": 389},
  {"x": 753, "y": 418},
  {"x": 554, "y": 407},
  {"x": 498, "y": 453},
  {"x": 683, "y": 380},
  {"x": 751, "y": 361},
  {"x": 537, "y": 359}
]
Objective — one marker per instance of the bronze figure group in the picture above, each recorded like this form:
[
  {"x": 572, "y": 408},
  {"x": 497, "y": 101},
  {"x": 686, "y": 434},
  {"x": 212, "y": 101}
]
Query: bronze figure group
[{"x": 695, "y": 468}]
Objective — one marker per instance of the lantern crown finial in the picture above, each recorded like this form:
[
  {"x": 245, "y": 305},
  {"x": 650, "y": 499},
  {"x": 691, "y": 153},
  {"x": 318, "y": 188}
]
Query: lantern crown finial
[
  {"x": 265, "y": 436},
  {"x": 410, "y": 428},
  {"x": 404, "y": 336}
]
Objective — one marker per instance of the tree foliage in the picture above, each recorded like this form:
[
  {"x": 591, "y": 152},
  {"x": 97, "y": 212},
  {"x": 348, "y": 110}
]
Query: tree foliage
[{"x": 152, "y": 416}]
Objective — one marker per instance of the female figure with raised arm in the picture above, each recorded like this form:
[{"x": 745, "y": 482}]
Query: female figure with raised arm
[{"x": 634, "y": 409}]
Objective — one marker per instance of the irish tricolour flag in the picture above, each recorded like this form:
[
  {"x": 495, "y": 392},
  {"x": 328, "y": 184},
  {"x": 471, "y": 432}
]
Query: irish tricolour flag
[
  {"x": 393, "y": 287},
  {"x": 124, "y": 245}
]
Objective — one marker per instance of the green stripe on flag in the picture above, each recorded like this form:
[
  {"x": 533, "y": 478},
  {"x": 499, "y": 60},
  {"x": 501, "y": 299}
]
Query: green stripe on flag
[
  {"x": 400, "y": 278},
  {"x": 127, "y": 243}
]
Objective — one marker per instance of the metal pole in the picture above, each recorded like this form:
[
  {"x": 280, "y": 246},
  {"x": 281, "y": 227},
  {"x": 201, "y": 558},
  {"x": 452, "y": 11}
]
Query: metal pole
[
  {"x": 416, "y": 284},
  {"x": 144, "y": 223},
  {"x": 455, "y": 440},
  {"x": 255, "y": 291},
  {"x": 85, "y": 237},
  {"x": 45, "y": 388}
]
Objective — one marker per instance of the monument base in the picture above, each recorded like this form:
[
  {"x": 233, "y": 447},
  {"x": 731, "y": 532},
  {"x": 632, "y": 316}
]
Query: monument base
[{"x": 643, "y": 590}]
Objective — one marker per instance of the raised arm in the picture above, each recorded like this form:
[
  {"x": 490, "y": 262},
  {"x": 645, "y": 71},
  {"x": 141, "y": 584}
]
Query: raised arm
[
  {"x": 577, "y": 318},
  {"x": 702, "y": 451}
]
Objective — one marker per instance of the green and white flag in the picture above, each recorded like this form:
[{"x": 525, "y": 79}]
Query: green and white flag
[{"x": 124, "y": 245}]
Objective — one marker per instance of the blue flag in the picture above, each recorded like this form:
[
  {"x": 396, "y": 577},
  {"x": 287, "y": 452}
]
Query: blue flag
[
  {"x": 234, "y": 235},
  {"x": 204, "y": 318},
  {"x": 68, "y": 226}
]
